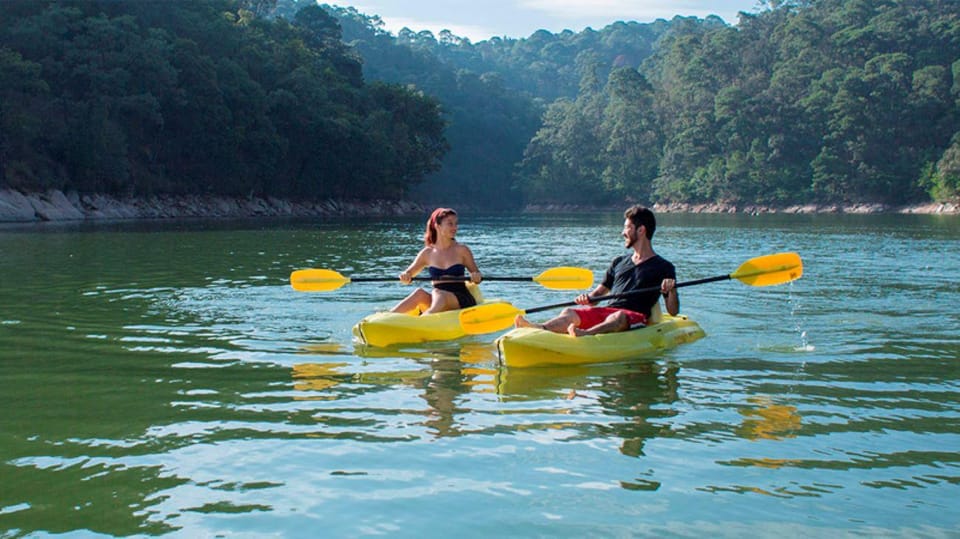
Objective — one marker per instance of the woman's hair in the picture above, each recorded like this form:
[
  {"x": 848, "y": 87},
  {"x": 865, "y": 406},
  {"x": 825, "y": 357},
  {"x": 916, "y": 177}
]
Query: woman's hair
[
  {"x": 430, "y": 236},
  {"x": 640, "y": 215}
]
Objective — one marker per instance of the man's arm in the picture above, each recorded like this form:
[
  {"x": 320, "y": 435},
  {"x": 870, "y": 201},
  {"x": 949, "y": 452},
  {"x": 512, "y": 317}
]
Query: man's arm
[
  {"x": 670, "y": 296},
  {"x": 587, "y": 299}
]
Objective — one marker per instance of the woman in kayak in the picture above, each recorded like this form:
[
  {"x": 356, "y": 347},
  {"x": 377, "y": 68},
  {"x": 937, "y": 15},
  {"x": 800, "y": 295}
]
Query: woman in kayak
[
  {"x": 445, "y": 258},
  {"x": 641, "y": 269}
]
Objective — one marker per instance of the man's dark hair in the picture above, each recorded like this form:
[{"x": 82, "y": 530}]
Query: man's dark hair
[{"x": 641, "y": 215}]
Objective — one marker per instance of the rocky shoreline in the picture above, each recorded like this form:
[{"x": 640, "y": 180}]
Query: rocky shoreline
[
  {"x": 932, "y": 208},
  {"x": 57, "y": 206},
  {"x": 54, "y": 205}
]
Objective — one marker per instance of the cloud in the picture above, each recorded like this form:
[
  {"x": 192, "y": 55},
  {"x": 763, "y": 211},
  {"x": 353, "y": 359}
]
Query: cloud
[
  {"x": 473, "y": 33},
  {"x": 640, "y": 10},
  {"x": 459, "y": 17},
  {"x": 520, "y": 18}
]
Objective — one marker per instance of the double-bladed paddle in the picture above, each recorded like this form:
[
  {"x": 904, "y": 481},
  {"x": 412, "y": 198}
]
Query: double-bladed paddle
[
  {"x": 325, "y": 280},
  {"x": 760, "y": 271}
]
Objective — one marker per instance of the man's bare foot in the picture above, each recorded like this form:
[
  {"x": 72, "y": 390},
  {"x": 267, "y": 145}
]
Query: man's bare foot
[
  {"x": 521, "y": 322},
  {"x": 574, "y": 331}
]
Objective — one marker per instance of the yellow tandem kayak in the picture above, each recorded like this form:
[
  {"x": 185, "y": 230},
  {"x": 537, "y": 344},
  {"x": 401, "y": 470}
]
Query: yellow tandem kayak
[
  {"x": 386, "y": 328},
  {"x": 531, "y": 347}
]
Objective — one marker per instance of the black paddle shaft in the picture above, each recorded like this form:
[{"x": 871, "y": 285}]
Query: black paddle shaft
[
  {"x": 625, "y": 294},
  {"x": 443, "y": 280}
]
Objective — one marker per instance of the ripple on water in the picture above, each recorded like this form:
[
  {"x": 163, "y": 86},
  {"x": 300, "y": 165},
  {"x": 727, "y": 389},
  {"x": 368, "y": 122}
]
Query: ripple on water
[{"x": 190, "y": 389}]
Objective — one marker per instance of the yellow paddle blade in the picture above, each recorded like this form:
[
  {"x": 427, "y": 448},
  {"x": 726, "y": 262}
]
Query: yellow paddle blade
[
  {"x": 770, "y": 270},
  {"x": 565, "y": 278},
  {"x": 488, "y": 318},
  {"x": 317, "y": 280}
]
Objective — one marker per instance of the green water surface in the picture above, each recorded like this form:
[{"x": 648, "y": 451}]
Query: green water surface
[{"x": 164, "y": 378}]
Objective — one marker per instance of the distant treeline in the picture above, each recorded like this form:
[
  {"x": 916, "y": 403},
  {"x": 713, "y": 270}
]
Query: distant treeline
[
  {"x": 204, "y": 96},
  {"x": 831, "y": 101}
]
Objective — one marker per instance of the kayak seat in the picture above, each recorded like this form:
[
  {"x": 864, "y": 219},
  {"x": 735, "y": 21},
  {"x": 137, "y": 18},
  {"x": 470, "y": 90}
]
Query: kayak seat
[
  {"x": 475, "y": 292},
  {"x": 656, "y": 314}
]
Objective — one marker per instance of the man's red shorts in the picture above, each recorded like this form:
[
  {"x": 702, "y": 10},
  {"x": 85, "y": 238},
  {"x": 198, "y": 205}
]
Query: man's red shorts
[{"x": 591, "y": 316}]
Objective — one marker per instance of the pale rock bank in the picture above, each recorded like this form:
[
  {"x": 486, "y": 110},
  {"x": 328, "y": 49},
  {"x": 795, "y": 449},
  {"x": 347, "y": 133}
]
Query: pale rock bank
[
  {"x": 863, "y": 208},
  {"x": 932, "y": 208},
  {"x": 57, "y": 206},
  {"x": 54, "y": 205}
]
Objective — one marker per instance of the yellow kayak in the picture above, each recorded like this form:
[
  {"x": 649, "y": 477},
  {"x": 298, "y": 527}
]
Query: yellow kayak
[
  {"x": 531, "y": 347},
  {"x": 386, "y": 328}
]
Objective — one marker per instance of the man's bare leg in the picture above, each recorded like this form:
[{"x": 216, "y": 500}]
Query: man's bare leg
[
  {"x": 559, "y": 324},
  {"x": 521, "y": 322},
  {"x": 614, "y": 323}
]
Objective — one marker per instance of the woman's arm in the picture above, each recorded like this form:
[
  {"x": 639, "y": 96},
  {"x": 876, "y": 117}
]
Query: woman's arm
[
  {"x": 420, "y": 262},
  {"x": 471, "y": 264}
]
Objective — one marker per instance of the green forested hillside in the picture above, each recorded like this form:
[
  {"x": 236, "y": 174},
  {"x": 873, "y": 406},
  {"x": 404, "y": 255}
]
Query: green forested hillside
[
  {"x": 493, "y": 93},
  {"x": 489, "y": 123},
  {"x": 826, "y": 101},
  {"x": 830, "y": 101},
  {"x": 201, "y": 97}
]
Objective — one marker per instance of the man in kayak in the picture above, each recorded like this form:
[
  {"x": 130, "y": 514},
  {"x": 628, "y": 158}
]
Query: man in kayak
[
  {"x": 448, "y": 261},
  {"x": 641, "y": 269}
]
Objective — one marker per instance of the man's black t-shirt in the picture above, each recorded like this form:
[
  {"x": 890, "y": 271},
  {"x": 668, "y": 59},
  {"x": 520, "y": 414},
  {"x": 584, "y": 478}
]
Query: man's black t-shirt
[{"x": 624, "y": 276}]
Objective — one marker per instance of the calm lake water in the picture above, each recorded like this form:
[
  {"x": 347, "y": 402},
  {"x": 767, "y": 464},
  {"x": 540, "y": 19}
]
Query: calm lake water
[{"x": 164, "y": 378}]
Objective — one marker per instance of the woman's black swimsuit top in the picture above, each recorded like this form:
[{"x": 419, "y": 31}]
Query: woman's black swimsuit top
[
  {"x": 458, "y": 289},
  {"x": 456, "y": 270}
]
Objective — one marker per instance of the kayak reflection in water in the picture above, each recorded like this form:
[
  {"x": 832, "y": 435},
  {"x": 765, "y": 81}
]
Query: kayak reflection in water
[
  {"x": 445, "y": 258},
  {"x": 642, "y": 269}
]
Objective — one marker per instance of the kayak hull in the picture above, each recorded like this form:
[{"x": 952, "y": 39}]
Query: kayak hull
[
  {"x": 388, "y": 328},
  {"x": 385, "y": 329},
  {"x": 531, "y": 347}
]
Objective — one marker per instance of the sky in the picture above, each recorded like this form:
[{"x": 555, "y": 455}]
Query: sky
[{"x": 482, "y": 19}]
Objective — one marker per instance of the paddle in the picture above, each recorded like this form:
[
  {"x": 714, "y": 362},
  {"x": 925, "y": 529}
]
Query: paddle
[
  {"x": 761, "y": 271},
  {"x": 324, "y": 280}
]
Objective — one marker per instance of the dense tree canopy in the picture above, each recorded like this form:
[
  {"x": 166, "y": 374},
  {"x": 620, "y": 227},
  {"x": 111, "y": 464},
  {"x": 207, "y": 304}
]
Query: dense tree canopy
[
  {"x": 201, "y": 97},
  {"x": 831, "y": 101},
  {"x": 826, "y": 101},
  {"x": 489, "y": 123}
]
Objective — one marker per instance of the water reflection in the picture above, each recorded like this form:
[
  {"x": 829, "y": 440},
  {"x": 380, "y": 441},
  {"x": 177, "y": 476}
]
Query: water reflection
[
  {"x": 766, "y": 420},
  {"x": 643, "y": 397},
  {"x": 315, "y": 377},
  {"x": 635, "y": 397},
  {"x": 452, "y": 378}
]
